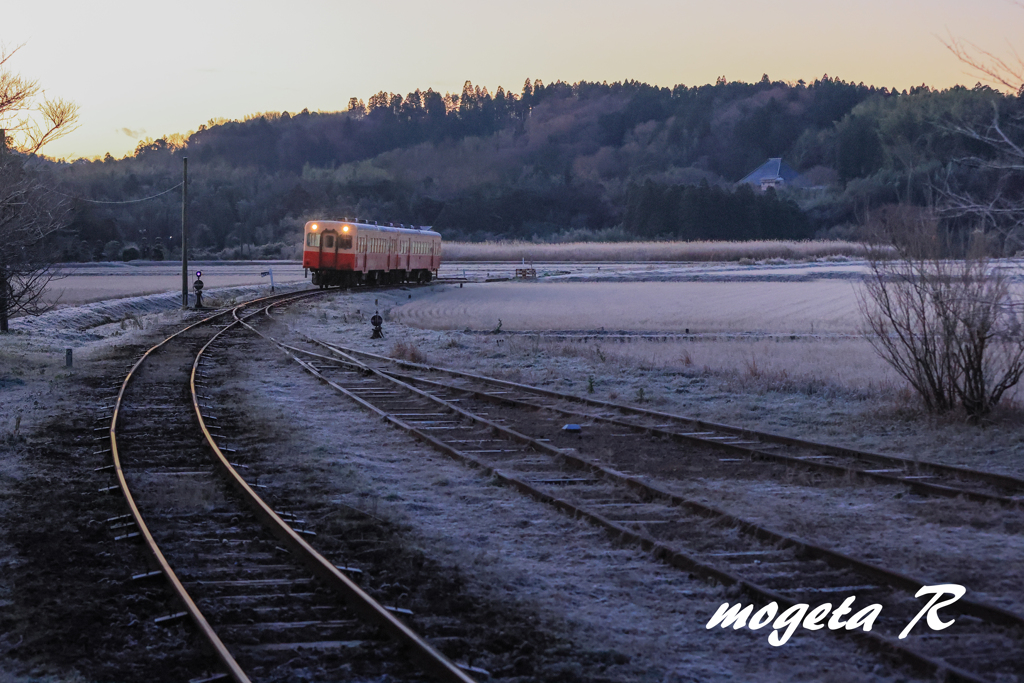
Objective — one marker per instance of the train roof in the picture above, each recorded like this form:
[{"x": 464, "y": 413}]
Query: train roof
[{"x": 409, "y": 230}]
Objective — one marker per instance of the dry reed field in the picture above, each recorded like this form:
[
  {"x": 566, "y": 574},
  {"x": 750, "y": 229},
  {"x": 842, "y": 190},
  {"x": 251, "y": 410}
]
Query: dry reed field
[{"x": 651, "y": 251}]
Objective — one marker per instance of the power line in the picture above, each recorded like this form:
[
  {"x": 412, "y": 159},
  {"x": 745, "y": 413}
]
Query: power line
[{"x": 127, "y": 201}]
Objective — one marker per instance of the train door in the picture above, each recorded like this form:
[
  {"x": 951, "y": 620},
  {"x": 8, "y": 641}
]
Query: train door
[
  {"x": 361, "y": 253},
  {"x": 328, "y": 250}
]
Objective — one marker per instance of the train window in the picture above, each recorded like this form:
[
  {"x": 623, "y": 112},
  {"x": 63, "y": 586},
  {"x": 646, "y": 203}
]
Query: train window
[
  {"x": 328, "y": 242},
  {"x": 313, "y": 239},
  {"x": 345, "y": 242}
]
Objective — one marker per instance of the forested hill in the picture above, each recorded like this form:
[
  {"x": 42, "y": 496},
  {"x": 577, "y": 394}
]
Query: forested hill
[{"x": 558, "y": 161}]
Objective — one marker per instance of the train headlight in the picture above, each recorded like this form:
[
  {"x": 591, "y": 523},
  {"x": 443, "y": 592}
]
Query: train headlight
[
  {"x": 344, "y": 228},
  {"x": 314, "y": 227}
]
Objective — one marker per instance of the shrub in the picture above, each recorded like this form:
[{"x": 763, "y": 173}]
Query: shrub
[{"x": 949, "y": 326}]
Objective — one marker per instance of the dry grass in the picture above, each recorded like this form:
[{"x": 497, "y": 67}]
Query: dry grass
[
  {"x": 652, "y": 251},
  {"x": 804, "y": 367},
  {"x": 403, "y": 350}
]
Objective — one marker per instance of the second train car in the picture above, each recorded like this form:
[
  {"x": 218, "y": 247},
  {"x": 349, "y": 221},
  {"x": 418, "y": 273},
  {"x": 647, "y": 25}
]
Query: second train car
[{"x": 348, "y": 253}]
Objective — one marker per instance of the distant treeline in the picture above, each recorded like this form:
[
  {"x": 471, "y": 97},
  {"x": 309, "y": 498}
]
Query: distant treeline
[{"x": 620, "y": 161}]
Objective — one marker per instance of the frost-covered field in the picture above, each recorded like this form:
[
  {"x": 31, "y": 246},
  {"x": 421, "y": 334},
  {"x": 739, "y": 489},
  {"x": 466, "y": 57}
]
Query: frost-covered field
[
  {"x": 88, "y": 282},
  {"x": 778, "y": 307}
]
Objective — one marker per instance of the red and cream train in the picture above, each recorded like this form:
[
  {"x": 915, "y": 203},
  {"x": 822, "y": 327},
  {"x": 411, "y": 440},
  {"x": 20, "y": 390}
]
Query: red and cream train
[{"x": 348, "y": 253}]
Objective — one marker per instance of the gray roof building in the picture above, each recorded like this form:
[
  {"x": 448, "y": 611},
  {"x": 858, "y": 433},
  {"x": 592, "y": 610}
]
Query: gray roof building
[{"x": 774, "y": 173}]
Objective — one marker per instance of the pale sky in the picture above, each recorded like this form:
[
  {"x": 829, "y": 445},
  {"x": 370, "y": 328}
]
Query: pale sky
[{"x": 142, "y": 69}]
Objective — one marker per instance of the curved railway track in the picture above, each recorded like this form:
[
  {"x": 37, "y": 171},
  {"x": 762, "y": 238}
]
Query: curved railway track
[
  {"x": 466, "y": 423},
  {"x": 264, "y": 601}
]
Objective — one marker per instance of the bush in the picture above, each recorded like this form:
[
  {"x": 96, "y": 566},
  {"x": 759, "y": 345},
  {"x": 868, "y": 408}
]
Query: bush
[{"x": 948, "y": 325}]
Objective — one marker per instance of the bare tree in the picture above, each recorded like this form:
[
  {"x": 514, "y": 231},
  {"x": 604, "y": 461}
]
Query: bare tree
[
  {"x": 994, "y": 200},
  {"x": 30, "y": 215},
  {"x": 30, "y": 119},
  {"x": 942, "y": 314},
  {"x": 949, "y": 326},
  {"x": 30, "y": 212}
]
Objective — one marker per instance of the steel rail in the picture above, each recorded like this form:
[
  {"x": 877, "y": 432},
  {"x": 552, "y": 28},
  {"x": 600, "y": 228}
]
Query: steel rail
[
  {"x": 197, "y": 617},
  {"x": 661, "y": 550},
  {"x": 737, "y": 447},
  {"x": 991, "y": 478},
  {"x": 966, "y": 606},
  {"x": 435, "y": 662}
]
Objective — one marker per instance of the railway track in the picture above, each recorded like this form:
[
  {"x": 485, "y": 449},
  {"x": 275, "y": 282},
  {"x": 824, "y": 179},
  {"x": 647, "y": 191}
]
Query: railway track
[
  {"x": 268, "y": 605},
  {"x": 918, "y": 476},
  {"x": 468, "y": 423}
]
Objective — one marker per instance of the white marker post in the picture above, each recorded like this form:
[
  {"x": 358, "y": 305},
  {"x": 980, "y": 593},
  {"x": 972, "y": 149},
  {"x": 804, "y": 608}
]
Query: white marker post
[{"x": 270, "y": 272}]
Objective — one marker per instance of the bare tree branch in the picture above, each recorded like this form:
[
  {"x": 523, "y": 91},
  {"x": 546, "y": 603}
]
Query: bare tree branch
[
  {"x": 1007, "y": 73},
  {"x": 30, "y": 124},
  {"x": 950, "y": 327},
  {"x": 30, "y": 212}
]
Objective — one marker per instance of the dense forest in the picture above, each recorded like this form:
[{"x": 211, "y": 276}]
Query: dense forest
[{"x": 590, "y": 161}]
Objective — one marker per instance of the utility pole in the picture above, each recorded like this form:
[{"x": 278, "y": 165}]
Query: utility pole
[{"x": 184, "y": 233}]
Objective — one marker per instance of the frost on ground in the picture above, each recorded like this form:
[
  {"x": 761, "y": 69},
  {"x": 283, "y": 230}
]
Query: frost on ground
[
  {"x": 523, "y": 556},
  {"x": 82, "y": 283},
  {"x": 829, "y": 388},
  {"x": 92, "y": 322},
  {"x": 938, "y": 541},
  {"x": 61, "y": 586},
  {"x": 822, "y": 306},
  {"x": 515, "y": 550}
]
